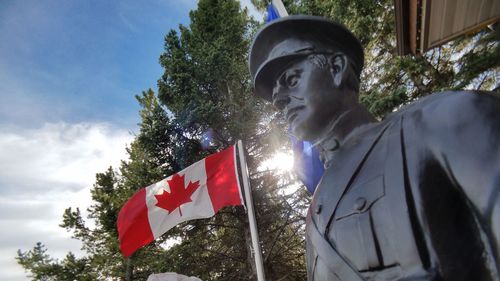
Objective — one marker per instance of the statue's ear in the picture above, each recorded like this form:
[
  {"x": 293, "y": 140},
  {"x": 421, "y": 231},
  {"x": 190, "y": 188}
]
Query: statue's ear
[{"x": 338, "y": 67}]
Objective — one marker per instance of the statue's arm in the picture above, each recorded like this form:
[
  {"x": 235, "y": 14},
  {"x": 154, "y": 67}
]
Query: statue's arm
[{"x": 464, "y": 135}]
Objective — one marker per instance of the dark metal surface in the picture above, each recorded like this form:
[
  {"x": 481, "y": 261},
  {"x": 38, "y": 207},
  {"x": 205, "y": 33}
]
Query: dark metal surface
[{"x": 413, "y": 197}]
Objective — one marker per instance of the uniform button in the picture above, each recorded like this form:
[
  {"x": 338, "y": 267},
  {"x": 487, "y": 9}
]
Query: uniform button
[
  {"x": 318, "y": 209},
  {"x": 360, "y": 203}
]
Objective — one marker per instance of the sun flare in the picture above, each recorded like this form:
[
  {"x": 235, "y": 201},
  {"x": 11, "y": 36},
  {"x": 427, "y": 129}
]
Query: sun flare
[{"x": 279, "y": 161}]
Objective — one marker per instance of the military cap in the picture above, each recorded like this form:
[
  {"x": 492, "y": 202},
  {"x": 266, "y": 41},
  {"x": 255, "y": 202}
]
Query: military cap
[{"x": 287, "y": 39}]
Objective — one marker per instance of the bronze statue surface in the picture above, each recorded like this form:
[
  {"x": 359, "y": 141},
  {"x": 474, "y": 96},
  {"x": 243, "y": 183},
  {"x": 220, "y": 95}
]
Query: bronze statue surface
[{"x": 415, "y": 196}]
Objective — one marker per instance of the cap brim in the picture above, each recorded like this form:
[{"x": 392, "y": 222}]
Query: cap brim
[{"x": 270, "y": 72}]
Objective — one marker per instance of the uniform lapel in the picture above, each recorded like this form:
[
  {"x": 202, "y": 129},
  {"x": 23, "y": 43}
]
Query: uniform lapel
[{"x": 340, "y": 174}]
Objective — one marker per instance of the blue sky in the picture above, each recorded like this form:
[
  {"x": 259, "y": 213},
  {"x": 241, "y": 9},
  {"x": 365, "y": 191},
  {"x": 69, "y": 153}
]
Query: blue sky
[
  {"x": 80, "y": 61},
  {"x": 69, "y": 71}
]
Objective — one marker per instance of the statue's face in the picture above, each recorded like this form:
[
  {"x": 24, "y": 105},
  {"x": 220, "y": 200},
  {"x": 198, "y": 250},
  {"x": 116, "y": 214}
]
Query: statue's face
[{"x": 309, "y": 98}]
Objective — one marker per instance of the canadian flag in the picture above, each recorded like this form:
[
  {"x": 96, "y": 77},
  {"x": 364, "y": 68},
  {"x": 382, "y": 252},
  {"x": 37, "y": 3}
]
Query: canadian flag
[{"x": 198, "y": 191}]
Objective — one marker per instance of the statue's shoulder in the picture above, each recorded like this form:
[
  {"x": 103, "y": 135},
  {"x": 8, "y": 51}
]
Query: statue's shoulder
[{"x": 452, "y": 105}]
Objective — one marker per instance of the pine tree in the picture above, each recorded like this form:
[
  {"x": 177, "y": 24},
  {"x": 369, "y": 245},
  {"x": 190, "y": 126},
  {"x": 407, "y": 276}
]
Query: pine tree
[
  {"x": 207, "y": 87},
  {"x": 204, "y": 104},
  {"x": 42, "y": 267}
]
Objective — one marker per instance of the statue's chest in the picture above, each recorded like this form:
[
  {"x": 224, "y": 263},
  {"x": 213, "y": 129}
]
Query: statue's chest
[
  {"x": 370, "y": 225},
  {"x": 362, "y": 226}
]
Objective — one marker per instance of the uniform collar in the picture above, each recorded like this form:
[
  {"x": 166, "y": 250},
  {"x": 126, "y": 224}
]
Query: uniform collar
[{"x": 328, "y": 145}]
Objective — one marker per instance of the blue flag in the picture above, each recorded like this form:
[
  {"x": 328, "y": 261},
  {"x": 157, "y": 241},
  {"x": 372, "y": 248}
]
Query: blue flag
[
  {"x": 272, "y": 14},
  {"x": 307, "y": 165}
]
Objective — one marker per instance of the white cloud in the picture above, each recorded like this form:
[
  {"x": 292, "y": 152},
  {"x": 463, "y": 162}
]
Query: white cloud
[{"x": 42, "y": 172}]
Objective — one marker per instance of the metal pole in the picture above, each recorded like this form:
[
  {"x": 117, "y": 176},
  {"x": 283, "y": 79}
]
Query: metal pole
[
  {"x": 280, "y": 8},
  {"x": 251, "y": 214}
]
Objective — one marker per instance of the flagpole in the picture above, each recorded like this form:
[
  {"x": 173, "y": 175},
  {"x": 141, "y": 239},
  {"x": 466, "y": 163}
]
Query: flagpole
[
  {"x": 280, "y": 8},
  {"x": 251, "y": 214}
]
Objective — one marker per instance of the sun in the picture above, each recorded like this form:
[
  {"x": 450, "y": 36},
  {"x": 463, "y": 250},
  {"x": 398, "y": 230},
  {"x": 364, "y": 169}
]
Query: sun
[{"x": 279, "y": 161}]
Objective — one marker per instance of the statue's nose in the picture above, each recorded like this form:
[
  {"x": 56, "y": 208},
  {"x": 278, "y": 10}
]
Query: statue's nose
[{"x": 280, "y": 100}]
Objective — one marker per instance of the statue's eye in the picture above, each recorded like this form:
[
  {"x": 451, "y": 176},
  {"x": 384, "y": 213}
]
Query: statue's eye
[{"x": 292, "y": 80}]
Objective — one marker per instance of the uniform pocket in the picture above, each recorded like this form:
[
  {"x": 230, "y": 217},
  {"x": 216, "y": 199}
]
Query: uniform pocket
[
  {"x": 353, "y": 228},
  {"x": 361, "y": 197}
]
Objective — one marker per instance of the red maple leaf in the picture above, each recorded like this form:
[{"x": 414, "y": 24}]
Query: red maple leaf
[{"x": 178, "y": 194}]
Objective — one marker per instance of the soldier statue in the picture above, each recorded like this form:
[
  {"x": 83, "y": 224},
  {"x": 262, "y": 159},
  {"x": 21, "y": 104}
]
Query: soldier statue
[{"x": 415, "y": 196}]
